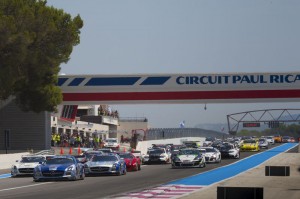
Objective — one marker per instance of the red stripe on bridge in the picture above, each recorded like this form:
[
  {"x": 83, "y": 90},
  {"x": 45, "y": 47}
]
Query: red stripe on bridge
[{"x": 182, "y": 95}]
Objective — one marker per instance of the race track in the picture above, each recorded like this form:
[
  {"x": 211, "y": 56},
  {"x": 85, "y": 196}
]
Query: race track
[{"x": 101, "y": 186}]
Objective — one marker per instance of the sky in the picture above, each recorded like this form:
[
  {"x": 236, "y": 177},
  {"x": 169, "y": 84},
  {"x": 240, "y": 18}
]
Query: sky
[{"x": 185, "y": 36}]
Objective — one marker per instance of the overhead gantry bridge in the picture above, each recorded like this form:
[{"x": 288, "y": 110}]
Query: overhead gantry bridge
[
  {"x": 180, "y": 88},
  {"x": 272, "y": 117}
]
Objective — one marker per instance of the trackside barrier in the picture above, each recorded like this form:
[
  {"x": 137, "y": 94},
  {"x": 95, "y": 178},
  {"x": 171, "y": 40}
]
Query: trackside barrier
[{"x": 240, "y": 192}]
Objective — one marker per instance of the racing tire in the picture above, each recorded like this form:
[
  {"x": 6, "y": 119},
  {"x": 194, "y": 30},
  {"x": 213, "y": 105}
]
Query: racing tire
[
  {"x": 139, "y": 167},
  {"x": 125, "y": 172},
  {"x": 237, "y": 156},
  {"x": 118, "y": 173},
  {"x": 136, "y": 167},
  {"x": 203, "y": 165},
  {"x": 82, "y": 176}
]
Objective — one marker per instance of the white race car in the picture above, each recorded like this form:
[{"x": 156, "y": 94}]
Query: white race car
[
  {"x": 188, "y": 157},
  {"x": 156, "y": 155},
  {"x": 26, "y": 165},
  {"x": 270, "y": 139},
  {"x": 211, "y": 154}
]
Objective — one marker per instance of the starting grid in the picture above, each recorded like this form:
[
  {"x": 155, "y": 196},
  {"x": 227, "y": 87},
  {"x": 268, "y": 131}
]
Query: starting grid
[{"x": 164, "y": 191}]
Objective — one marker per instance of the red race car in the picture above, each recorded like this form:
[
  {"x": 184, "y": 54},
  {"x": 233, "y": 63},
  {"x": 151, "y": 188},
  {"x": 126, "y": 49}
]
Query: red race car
[{"x": 133, "y": 163}]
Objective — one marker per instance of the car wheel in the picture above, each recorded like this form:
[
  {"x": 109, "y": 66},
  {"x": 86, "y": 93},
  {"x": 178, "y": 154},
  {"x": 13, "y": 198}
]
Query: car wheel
[
  {"x": 124, "y": 171},
  {"x": 139, "y": 167},
  {"x": 237, "y": 156},
  {"x": 136, "y": 167},
  {"x": 118, "y": 173},
  {"x": 82, "y": 176}
]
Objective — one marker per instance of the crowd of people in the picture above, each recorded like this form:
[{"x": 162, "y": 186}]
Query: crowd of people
[
  {"x": 76, "y": 140},
  {"x": 106, "y": 110}
]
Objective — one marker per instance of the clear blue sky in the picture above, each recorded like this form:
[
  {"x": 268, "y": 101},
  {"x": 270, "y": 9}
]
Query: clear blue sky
[{"x": 185, "y": 36}]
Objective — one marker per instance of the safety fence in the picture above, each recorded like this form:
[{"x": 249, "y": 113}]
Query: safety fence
[{"x": 167, "y": 133}]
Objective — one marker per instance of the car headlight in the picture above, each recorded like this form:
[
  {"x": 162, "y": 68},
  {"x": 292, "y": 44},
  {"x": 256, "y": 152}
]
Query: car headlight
[
  {"x": 114, "y": 166},
  {"x": 176, "y": 159},
  {"x": 198, "y": 157},
  {"x": 70, "y": 168}
]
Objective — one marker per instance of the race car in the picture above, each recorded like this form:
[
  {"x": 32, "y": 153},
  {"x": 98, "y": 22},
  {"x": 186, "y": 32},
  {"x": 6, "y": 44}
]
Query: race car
[
  {"x": 59, "y": 167},
  {"x": 112, "y": 143},
  {"x": 263, "y": 143},
  {"x": 277, "y": 138},
  {"x": 211, "y": 154},
  {"x": 286, "y": 139},
  {"x": 229, "y": 150},
  {"x": 26, "y": 165},
  {"x": 250, "y": 145},
  {"x": 189, "y": 157},
  {"x": 270, "y": 139},
  {"x": 133, "y": 163},
  {"x": 109, "y": 163},
  {"x": 156, "y": 155},
  {"x": 208, "y": 141}
]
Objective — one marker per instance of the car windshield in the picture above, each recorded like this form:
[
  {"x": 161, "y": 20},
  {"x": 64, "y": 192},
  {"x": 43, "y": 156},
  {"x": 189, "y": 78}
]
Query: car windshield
[
  {"x": 226, "y": 147},
  {"x": 189, "y": 152},
  {"x": 125, "y": 155},
  {"x": 262, "y": 140},
  {"x": 285, "y": 137},
  {"x": 59, "y": 161},
  {"x": 32, "y": 159},
  {"x": 111, "y": 141},
  {"x": 156, "y": 151},
  {"x": 210, "y": 150},
  {"x": 105, "y": 150},
  {"x": 269, "y": 137},
  {"x": 209, "y": 139},
  {"x": 98, "y": 158},
  {"x": 249, "y": 141}
]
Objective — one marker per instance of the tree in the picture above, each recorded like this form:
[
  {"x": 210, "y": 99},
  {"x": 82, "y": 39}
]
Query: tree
[{"x": 34, "y": 40}]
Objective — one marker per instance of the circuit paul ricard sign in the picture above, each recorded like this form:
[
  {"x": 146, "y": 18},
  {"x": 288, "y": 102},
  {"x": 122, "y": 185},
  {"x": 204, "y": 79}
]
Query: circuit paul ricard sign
[{"x": 180, "y": 88}]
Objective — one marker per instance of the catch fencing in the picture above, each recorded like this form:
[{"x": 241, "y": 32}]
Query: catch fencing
[{"x": 168, "y": 133}]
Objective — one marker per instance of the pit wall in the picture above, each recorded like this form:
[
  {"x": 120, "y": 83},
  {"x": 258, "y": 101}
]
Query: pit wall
[
  {"x": 144, "y": 145},
  {"x": 7, "y": 160}
]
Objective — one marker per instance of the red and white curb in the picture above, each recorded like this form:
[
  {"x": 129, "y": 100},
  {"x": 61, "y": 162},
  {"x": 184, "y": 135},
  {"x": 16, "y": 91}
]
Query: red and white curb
[{"x": 165, "y": 191}]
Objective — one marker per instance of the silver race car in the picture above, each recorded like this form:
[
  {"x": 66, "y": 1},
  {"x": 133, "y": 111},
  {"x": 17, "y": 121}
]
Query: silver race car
[
  {"x": 26, "y": 165},
  {"x": 188, "y": 157}
]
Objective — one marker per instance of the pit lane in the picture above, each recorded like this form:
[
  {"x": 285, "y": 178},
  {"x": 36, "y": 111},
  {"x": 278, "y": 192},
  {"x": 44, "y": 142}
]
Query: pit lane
[{"x": 102, "y": 186}]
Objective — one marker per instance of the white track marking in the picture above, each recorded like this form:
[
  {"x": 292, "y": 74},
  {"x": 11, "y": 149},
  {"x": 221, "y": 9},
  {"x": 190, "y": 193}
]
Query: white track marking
[{"x": 13, "y": 188}]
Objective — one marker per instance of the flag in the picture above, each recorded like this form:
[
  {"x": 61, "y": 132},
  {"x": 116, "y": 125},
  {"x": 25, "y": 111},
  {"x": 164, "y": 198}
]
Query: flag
[{"x": 182, "y": 124}]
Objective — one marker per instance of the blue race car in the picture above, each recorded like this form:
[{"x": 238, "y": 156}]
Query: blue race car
[
  {"x": 59, "y": 167},
  {"x": 105, "y": 164}
]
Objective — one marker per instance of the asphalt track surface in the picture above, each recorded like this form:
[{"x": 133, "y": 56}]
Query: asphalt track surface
[{"x": 102, "y": 186}]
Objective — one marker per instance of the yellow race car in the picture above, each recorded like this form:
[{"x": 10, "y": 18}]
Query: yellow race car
[{"x": 250, "y": 145}]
